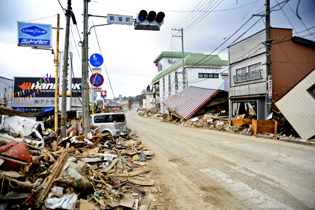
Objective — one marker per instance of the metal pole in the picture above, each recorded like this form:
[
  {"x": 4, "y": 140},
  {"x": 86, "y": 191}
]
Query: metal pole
[
  {"x": 65, "y": 74},
  {"x": 85, "y": 96},
  {"x": 183, "y": 62},
  {"x": 268, "y": 57},
  {"x": 56, "y": 76}
]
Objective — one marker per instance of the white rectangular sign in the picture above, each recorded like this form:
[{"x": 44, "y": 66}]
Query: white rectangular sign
[
  {"x": 119, "y": 19},
  {"x": 269, "y": 86}
]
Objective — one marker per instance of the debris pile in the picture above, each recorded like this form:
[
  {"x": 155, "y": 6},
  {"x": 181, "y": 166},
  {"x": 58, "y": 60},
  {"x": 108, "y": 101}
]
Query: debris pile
[
  {"x": 154, "y": 113},
  {"x": 75, "y": 172}
]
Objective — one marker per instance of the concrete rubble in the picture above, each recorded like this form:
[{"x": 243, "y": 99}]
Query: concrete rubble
[{"x": 74, "y": 172}]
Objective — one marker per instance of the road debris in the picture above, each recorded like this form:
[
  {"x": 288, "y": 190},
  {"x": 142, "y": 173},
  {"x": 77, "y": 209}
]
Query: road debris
[{"x": 74, "y": 172}]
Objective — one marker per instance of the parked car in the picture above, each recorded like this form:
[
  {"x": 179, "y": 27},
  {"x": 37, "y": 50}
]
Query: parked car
[{"x": 114, "y": 123}]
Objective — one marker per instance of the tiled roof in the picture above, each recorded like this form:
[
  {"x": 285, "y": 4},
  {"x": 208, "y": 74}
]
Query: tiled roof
[{"x": 189, "y": 101}]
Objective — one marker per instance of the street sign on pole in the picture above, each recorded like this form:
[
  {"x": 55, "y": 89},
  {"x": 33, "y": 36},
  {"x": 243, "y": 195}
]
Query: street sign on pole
[
  {"x": 95, "y": 95},
  {"x": 96, "y": 80},
  {"x": 103, "y": 93},
  {"x": 269, "y": 86},
  {"x": 96, "y": 60},
  {"x": 119, "y": 19}
]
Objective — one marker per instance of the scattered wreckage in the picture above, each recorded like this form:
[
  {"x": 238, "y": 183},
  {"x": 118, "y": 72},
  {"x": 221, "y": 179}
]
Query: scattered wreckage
[{"x": 40, "y": 170}]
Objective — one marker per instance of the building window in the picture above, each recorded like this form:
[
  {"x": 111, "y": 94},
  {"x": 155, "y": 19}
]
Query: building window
[
  {"x": 311, "y": 91},
  {"x": 163, "y": 87},
  {"x": 169, "y": 84},
  {"x": 176, "y": 81},
  {"x": 253, "y": 73},
  {"x": 208, "y": 75}
]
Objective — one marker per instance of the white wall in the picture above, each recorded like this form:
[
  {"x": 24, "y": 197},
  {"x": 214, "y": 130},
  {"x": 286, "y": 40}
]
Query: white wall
[
  {"x": 194, "y": 80},
  {"x": 251, "y": 87}
]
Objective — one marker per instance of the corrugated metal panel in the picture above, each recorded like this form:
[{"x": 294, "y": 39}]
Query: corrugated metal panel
[
  {"x": 298, "y": 107},
  {"x": 249, "y": 47},
  {"x": 189, "y": 101}
]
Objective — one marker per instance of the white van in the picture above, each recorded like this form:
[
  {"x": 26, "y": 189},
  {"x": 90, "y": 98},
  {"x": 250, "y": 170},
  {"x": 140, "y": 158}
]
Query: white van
[{"x": 114, "y": 123}]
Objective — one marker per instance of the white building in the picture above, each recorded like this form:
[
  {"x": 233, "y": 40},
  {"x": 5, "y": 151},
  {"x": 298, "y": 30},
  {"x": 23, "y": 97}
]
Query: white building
[
  {"x": 200, "y": 70},
  {"x": 6, "y": 87}
]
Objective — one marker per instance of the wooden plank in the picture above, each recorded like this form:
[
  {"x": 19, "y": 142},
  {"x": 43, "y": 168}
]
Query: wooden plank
[
  {"x": 47, "y": 184},
  {"x": 110, "y": 166},
  {"x": 264, "y": 126},
  {"x": 239, "y": 123},
  {"x": 254, "y": 127},
  {"x": 130, "y": 174}
]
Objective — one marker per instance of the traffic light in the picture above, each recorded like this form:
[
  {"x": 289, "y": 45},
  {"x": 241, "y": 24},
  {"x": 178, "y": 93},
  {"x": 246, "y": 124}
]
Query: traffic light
[{"x": 151, "y": 21}]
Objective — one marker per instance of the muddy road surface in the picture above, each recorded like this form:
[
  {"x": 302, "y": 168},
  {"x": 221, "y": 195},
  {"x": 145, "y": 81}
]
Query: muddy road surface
[{"x": 207, "y": 169}]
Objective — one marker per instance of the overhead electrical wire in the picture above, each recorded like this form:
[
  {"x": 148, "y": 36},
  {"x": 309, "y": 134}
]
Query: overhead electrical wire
[
  {"x": 200, "y": 18},
  {"x": 99, "y": 47},
  {"x": 287, "y": 18},
  {"x": 300, "y": 17}
]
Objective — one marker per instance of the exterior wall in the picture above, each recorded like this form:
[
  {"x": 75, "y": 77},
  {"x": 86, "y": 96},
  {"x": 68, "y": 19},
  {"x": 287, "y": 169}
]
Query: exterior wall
[
  {"x": 149, "y": 100},
  {"x": 253, "y": 87},
  {"x": 248, "y": 48},
  {"x": 290, "y": 62},
  {"x": 194, "y": 80},
  {"x": 298, "y": 106},
  {"x": 248, "y": 87},
  {"x": 6, "y": 87},
  {"x": 165, "y": 63}
]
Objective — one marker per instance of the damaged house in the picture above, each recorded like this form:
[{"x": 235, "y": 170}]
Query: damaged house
[
  {"x": 194, "y": 101},
  {"x": 292, "y": 58},
  {"x": 298, "y": 106},
  {"x": 174, "y": 74}
]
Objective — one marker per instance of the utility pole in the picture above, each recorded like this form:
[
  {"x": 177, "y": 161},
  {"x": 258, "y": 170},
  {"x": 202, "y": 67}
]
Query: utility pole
[
  {"x": 65, "y": 74},
  {"x": 56, "y": 76},
  {"x": 183, "y": 62},
  {"x": 85, "y": 96},
  {"x": 268, "y": 57}
]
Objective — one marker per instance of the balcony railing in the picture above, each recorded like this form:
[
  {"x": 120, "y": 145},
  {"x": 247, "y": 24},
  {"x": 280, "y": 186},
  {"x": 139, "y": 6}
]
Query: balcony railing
[{"x": 248, "y": 76}]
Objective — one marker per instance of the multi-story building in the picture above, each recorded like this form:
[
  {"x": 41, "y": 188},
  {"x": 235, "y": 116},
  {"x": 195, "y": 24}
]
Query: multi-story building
[
  {"x": 250, "y": 86},
  {"x": 198, "y": 69}
]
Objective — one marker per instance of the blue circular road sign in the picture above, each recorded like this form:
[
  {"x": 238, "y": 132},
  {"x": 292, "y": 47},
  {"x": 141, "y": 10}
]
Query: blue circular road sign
[{"x": 96, "y": 60}]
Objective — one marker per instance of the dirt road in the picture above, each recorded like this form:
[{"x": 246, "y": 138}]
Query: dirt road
[{"x": 205, "y": 169}]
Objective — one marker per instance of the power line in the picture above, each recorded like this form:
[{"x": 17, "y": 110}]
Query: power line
[
  {"x": 110, "y": 84},
  {"x": 287, "y": 18},
  {"x": 40, "y": 18},
  {"x": 299, "y": 17},
  {"x": 188, "y": 16},
  {"x": 202, "y": 17}
]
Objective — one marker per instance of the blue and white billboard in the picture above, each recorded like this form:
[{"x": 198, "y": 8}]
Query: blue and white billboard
[{"x": 34, "y": 35}]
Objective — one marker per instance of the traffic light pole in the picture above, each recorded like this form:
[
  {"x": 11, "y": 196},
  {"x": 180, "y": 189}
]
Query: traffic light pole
[
  {"x": 85, "y": 96},
  {"x": 65, "y": 73}
]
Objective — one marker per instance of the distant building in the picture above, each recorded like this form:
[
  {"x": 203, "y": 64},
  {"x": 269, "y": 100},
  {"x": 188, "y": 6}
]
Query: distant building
[
  {"x": 6, "y": 87},
  {"x": 200, "y": 70},
  {"x": 292, "y": 58},
  {"x": 152, "y": 98}
]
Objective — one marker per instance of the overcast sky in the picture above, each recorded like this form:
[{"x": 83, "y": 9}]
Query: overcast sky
[{"x": 128, "y": 53}]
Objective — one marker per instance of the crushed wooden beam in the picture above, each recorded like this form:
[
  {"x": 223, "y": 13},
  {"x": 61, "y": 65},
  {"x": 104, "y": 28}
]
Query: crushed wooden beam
[{"x": 47, "y": 184}]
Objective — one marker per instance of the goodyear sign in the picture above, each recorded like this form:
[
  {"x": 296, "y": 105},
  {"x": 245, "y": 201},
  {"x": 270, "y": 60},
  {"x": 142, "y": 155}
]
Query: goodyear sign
[{"x": 34, "y": 35}]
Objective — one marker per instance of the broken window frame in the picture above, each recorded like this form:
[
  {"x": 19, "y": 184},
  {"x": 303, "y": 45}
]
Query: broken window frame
[{"x": 311, "y": 90}]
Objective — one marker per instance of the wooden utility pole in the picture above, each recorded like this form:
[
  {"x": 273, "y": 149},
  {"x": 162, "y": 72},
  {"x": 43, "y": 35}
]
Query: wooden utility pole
[
  {"x": 268, "y": 59},
  {"x": 85, "y": 96},
  {"x": 65, "y": 75},
  {"x": 56, "y": 75}
]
